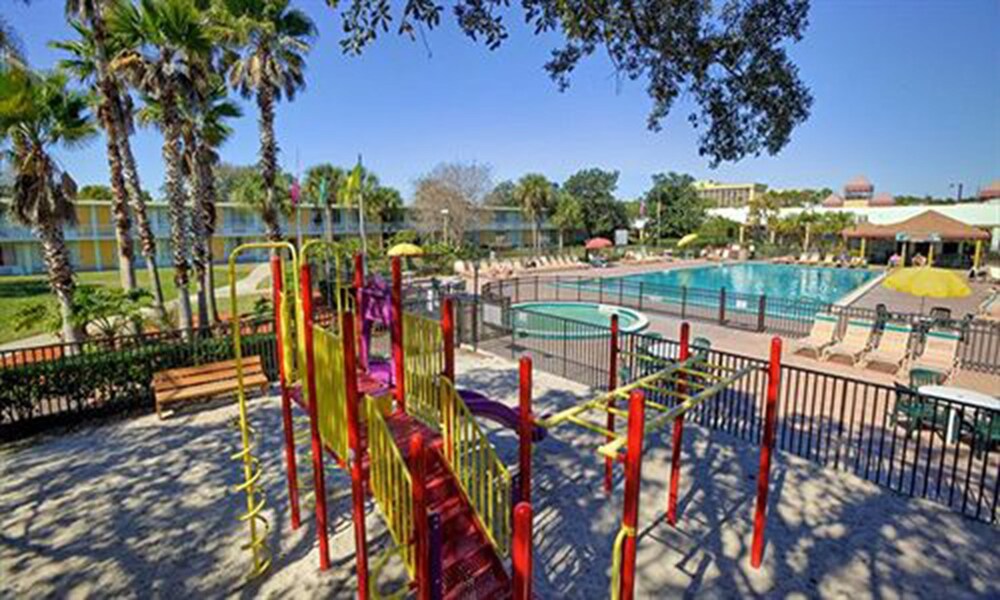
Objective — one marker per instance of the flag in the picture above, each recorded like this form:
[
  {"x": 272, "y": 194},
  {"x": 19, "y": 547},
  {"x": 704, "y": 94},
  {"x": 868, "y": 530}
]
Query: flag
[
  {"x": 295, "y": 191},
  {"x": 322, "y": 191}
]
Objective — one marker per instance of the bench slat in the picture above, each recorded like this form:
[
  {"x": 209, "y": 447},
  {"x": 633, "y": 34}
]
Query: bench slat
[
  {"x": 170, "y": 383},
  {"x": 225, "y": 365},
  {"x": 207, "y": 390}
]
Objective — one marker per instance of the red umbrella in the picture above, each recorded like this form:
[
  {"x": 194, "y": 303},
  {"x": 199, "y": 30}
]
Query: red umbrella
[{"x": 598, "y": 243}]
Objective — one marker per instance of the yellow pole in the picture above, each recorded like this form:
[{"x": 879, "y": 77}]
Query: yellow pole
[
  {"x": 742, "y": 234},
  {"x": 930, "y": 254},
  {"x": 978, "y": 256},
  {"x": 863, "y": 247},
  {"x": 902, "y": 262}
]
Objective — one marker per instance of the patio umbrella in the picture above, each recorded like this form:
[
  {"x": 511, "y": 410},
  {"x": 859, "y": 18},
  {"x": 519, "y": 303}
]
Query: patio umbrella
[
  {"x": 598, "y": 243},
  {"x": 684, "y": 241},
  {"x": 405, "y": 249},
  {"x": 927, "y": 282}
]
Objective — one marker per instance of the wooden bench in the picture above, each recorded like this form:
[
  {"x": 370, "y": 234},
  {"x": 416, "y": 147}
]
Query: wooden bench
[{"x": 206, "y": 381}]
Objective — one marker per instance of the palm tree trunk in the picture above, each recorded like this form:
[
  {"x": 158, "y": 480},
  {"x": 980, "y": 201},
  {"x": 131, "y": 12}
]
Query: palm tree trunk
[
  {"x": 147, "y": 239},
  {"x": 268, "y": 160},
  {"x": 60, "y": 272},
  {"x": 173, "y": 160},
  {"x": 328, "y": 232},
  {"x": 108, "y": 113},
  {"x": 208, "y": 199}
]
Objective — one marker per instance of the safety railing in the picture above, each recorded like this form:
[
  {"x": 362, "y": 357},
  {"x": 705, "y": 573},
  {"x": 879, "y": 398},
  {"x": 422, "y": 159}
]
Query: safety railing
[
  {"x": 482, "y": 476},
  {"x": 331, "y": 407},
  {"x": 287, "y": 328},
  {"x": 423, "y": 349},
  {"x": 391, "y": 486}
]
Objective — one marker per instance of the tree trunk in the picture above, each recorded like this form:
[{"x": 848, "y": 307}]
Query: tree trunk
[
  {"x": 147, "y": 239},
  {"x": 109, "y": 119},
  {"x": 173, "y": 160},
  {"x": 269, "y": 160},
  {"x": 60, "y": 272},
  {"x": 328, "y": 232},
  {"x": 207, "y": 165}
]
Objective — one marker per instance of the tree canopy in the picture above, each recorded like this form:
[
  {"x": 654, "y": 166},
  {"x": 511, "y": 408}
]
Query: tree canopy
[
  {"x": 729, "y": 57},
  {"x": 674, "y": 206},
  {"x": 595, "y": 189}
]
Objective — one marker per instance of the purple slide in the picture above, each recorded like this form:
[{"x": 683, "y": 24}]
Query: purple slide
[{"x": 479, "y": 404}]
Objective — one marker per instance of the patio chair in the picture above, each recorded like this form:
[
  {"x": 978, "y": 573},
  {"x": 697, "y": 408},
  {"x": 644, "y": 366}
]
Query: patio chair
[
  {"x": 822, "y": 334},
  {"x": 830, "y": 260},
  {"x": 892, "y": 350},
  {"x": 855, "y": 342},
  {"x": 984, "y": 431},
  {"x": 917, "y": 411},
  {"x": 813, "y": 259},
  {"x": 940, "y": 353},
  {"x": 803, "y": 258}
]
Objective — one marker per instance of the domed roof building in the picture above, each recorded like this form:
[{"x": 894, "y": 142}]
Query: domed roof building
[
  {"x": 833, "y": 201},
  {"x": 882, "y": 199},
  {"x": 858, "y": 188},
  {"x": 990, "y": 192}
]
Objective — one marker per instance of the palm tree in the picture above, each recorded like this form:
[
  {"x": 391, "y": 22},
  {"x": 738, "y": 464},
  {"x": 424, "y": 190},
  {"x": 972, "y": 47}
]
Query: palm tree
[
  {"x": 536, "y": 196},
  {"x": 91, "y": 55},
  {"x": 384, "y": 205},
  {"x": 266, "y": 42},
  {"x": 38, "y": 113},
  {"x": 164, "y": 48},
  {"x": 89, "y": 65},
  {"x": 359, "y": 185},
  {"x": 203, "y": 115},
  {"x": 321, "y": 188}
]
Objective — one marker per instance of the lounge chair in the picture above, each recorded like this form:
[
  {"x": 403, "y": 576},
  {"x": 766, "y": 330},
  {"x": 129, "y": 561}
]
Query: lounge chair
[
  {"x": 459, "y": 267},
  {"x": 917, "y": 411},
  {"x": 822, "y": 334},
  {"x": 940, "y": 353},
  {"x": 892, "y": 350},
  {"x": 854, "y": 342},
  {"x": 830, "y": 260}
]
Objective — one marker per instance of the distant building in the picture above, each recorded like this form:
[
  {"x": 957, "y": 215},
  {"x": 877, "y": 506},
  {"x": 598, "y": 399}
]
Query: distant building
[
  {"x": 728, "y": 195},
  {"x": 859, "y": 193},
  {"x": 92, "y": 244},
  {"x": 990, "y": 192}
]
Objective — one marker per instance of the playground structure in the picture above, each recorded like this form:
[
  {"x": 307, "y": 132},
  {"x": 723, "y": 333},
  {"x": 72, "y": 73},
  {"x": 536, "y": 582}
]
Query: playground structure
[{"x": 410, "y": 439}]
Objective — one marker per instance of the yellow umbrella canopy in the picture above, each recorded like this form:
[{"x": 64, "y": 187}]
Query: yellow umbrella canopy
[
  {"x": 927, "y": 282},
  {"x": 684, "y": 241},
  {"x": 405, "y": 249}
]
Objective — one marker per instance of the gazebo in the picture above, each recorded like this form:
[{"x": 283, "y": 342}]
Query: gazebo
[{"x": 929, "y": 229}]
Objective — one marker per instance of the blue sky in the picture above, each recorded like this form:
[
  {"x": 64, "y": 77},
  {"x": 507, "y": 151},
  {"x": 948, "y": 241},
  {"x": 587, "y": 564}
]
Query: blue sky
[{"x": 906, "y": 92}]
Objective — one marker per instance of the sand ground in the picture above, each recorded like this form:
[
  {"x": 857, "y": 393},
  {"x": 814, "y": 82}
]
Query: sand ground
[{"x": 141, "y": 508}]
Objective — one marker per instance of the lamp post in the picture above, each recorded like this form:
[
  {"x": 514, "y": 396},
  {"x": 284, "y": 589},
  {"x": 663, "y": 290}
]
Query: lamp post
[{"x": 958, "y": 190}]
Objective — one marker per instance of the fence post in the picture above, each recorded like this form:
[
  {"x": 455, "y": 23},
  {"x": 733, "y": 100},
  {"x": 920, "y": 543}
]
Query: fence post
[
  {"x": 517, "y": 290},
  {"x": 536, "y": 288},
  {"x": 675, "y": 446},
  {"x": 420, "y": 525},
  {"x": 684, "y": 301},
  {"x": 600, "y": 290},
  {"x": 448, "y": 333},
  {"x": 525, "y": 428},
  {"x": 633, "y": 473},
  {"x": 722, "y": 306},
  {"x": 397, "y": 333},
  {"x": 522, "y": 551},
  {"x": 435, "y": 543},
  {"x": 609, "y": 464},
  {"x": 579, "y": 289},
  {"x": 557, "y": 288},
  {"x": 354, "y": 453},
  {"x": 319, "y": 483},
  {"x": 762, "y": 313},
  {"x": 640, "y": 294},
  {"x": 621, "y": 292},
  {"x": 286, "y": 401},
  {"x": 766, "y": 447}
]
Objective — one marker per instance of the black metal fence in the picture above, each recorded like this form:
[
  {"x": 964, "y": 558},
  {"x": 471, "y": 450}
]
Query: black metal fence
[
  {"x": 979, "y": 349},
  {"x": 910, "y": 443}
]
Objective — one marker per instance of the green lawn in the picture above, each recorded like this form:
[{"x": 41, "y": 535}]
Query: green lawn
[{"x": 18, "y": 291}]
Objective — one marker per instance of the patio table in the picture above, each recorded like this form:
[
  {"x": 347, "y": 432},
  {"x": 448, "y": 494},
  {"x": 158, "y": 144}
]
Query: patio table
[{"x": 963, "y": 396}]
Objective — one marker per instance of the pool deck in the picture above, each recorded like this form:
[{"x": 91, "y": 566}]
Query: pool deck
[{"x": 143, "y": 508}]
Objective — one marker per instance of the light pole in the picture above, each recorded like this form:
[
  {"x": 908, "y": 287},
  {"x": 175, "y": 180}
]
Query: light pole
[
  {"x": 444, "y": 231},
  {"x": 958, "y": 193}
]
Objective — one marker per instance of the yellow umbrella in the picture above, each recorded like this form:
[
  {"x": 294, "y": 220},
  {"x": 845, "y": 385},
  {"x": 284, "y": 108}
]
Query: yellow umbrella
[
  {"x": 927, "y": 282},
  {"x": 684, "y": 241},
  {"x": 405, "y": 250}
]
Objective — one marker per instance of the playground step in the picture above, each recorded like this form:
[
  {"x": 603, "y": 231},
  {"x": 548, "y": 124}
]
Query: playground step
[{"x": 476, "y": 574}]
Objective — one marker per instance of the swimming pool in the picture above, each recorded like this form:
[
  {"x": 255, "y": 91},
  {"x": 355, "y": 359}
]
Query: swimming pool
[
  {"x": 788, "y": 282},
  {"x": 571, "y": 319}
]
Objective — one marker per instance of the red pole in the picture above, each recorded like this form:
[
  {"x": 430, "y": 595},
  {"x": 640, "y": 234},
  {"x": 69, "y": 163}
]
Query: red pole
[
  {"x": 675, "y": 449},
  {"x": 766, "y": 446},
  {"x": 633, "y": 474},
  {"x": 522, "y": 551},
  {"x": 286, "y": 400},
  {"x": 418, "y": 471},
  {"x": 354, "y": 458},
  {"x": 609, "y": 465},
  {"x": 397, "y": 332},
  {"x": 524, "y": 429},
  {"x": 359, "y": 283},
  {"x": 448, "y": 333},
  {"x": 319, "y": 484}
]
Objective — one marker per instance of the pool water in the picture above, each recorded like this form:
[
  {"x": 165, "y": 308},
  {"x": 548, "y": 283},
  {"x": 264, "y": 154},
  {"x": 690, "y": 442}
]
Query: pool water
[
  {"x": 788, "y": 282},
  {"x": 571, "y": 319}
]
